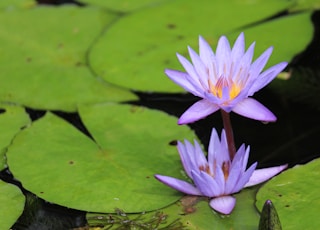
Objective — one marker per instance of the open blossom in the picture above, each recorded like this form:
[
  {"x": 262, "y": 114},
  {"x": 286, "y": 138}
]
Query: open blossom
[
  {"x": 218, "y": 177},
  {"x": 225, "y": 80}
]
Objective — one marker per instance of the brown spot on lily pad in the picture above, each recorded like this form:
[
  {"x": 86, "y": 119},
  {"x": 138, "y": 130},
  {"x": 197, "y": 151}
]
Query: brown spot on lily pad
[
  {"x": 171, "y": 26},
  {"x": 188, "y": 203}
]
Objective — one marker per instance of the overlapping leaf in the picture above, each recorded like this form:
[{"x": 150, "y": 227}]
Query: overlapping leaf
[
  {"x": 144, "y": 43},
  {"x": 58, "y": 163},
  {"x": 123, "y": 5},
  {"x": 43, "y": 56},
  {"x": 12, "y": 119},
  {"x": 295, "y": 193},
  {"x": 12, "y": 204}
]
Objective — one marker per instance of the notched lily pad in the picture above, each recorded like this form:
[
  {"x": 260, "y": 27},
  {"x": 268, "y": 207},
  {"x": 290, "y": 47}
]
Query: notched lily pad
[
  {"x": 157, "y": 33},
  {"x": 43, "y": 59},
  {"x": 12, "y": 119},
  {"x": 59, "y": 164},
  {"x": 195, "y": 213},
  {"x": 296, "y": 196},
  {"x": 12, "y": 203},
  {"x": 123, "y": 5}
]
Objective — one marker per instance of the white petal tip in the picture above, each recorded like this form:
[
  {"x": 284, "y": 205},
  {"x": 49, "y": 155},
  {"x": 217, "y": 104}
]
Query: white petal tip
[{"x": 223, "y": 204}]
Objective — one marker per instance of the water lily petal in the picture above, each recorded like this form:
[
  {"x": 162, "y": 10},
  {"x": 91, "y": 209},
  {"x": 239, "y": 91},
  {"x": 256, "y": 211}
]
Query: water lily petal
[
  {"x": 182, "y": 79},
  {"x": 242, "y": 67},
  {"x": 206, "y": 184},
  {"x": 200, "y": 68},
  {"x": 206, "y": 54},
  {"x": 223, "y": 53},
  {"x": 244, "y": 178},
  {"x": 220, "y": 179},
  {"x": 193, "y": 75},
  {"x": 262, "y": 175},
  {"x": 197, "y": 111},
  {"x": 186, "y": 158},
  {"x": 258, "y": 65},
  {"x": 200, "y": 158},
  {"x": 213, "y": 149},
  {"x": 179, "y": 185},
  {"x": 235, "y": 175},
  {"x": 238, "y": 48},
  {"x": 253, "y": 109},
  {"x": 266, "y": 77},
  {"x": 223, "y": 204}
]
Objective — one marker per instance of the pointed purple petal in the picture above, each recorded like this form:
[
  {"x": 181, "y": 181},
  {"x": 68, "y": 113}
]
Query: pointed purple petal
[
  {"x": 199, "y": 156},
  {"x": 206, "y": 184},
  {"x": 182, "y": 79},
  {"x": 219, "y": 178},
  {"x": 244, "y": 178},
  {"x": 223, "y": 53},
  {"x": 238, "y": 48},
  {"x": 197, "y": 111},
  {"x": 185, "y": 158},
  {"x": 214, "y": 148},
  {"x": 266, "y": 77},
  {"x": 262, "y": 175},
  {"x": 223, "y": 204},
  {"x": 190, "y": 69},
  {"x": 241, "y": 68},
  {"x": 253, "y": 109},
  {"x": 242, "y": 155},
  {"x": 200, "y": 68},
  {"x": 233, "y": 178},
  {"x": 179, "y": 185},
  {"x": 258, "y": 65},
  {"x": 205, "y": 52}
]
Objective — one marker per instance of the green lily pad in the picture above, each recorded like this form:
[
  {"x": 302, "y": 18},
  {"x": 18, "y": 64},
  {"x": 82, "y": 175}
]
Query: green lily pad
[
  {"x": 12, "y": 119},
  {"x": 305, "y": 5},
  {"x": 244, "y": 216},
  {"x": 190, "y": 213},
  {"x": 60, "y": 164},
  {"x": 123, "y": 5},
  {"x": 9, "y": 5},
  {"x": 157, "y": 33},
  {"x": 268, "y": 34},
  {"x": 295, "y": 193},
  {"x": 12, "y": 204},
  {"x": 43, "y": 59}
]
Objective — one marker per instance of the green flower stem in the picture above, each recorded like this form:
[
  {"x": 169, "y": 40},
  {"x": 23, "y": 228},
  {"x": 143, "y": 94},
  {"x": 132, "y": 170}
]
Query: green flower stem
[{"x": 229, "y": 133}]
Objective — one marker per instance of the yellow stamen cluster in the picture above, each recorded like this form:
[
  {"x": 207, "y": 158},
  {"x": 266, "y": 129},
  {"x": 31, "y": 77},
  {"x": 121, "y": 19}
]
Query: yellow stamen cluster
[{"x": 222, "y": 83}]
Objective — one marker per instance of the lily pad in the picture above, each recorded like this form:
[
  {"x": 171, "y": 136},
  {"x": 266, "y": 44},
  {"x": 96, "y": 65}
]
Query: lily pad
[
  {"x": 123, "y": 5},
  {"x": 244, "y": 216},
  {"x": 9, "y": 5},
  {"x": 12, "y": 119},
  {"x": 43, "y": 59},
  {"x": 268, "y": 34},
  {"x": 296, "y": 196},
  {"x": 157, "y": 33},
  {"x": 58, "y": 163},
  {"x": 12, "y": 203},
  {"x": 305, "y": 5},
  {"x": 190, "y": 213}
]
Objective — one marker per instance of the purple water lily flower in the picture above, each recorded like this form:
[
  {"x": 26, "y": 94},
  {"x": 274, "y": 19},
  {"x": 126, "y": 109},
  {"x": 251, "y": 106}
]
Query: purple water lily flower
[
  {"x": 225, "y": 80},
  {"x": 218, "y": 177}
]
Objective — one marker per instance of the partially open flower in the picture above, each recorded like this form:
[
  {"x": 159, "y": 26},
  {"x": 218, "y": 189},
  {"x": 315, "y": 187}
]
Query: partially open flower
[
  {"x": 225, "y": 80},
  {"x": 217, "y": 177}
]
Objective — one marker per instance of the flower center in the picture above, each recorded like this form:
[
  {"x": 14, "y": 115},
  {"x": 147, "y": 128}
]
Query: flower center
[
  {"x": 205, "y": 168},
  {"x": 223, "y": 84},
  {"x": 225, "y": 169}
]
